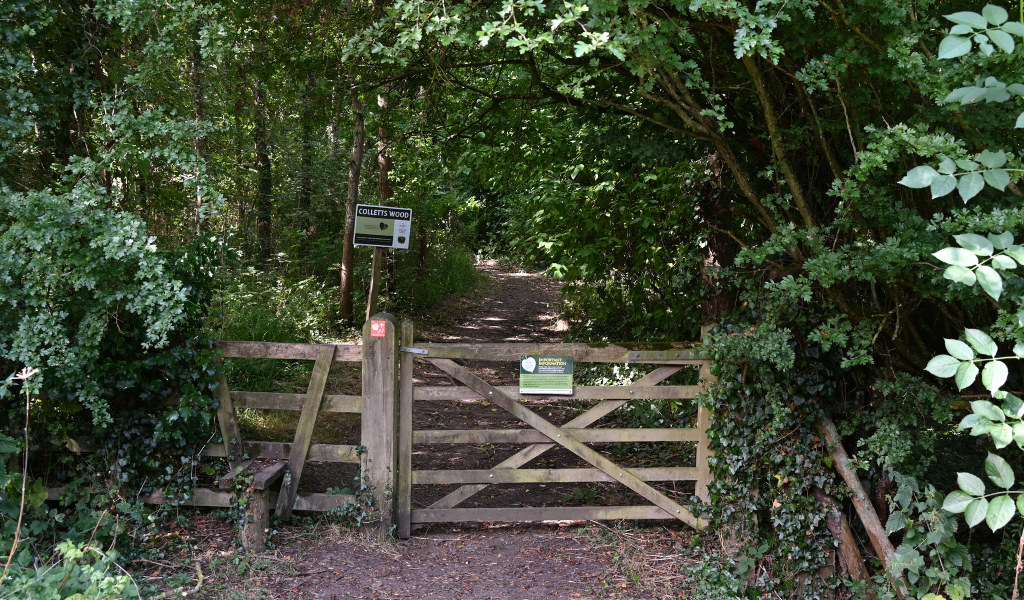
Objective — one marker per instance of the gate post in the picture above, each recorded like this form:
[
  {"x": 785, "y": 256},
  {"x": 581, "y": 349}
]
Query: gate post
[
  {"x": 380, "y": 403},
  {"x": 703, "y": 424}
]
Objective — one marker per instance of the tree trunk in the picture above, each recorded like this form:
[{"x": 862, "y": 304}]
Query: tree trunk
[
  {"x": 720, "y": 251},
  {"x": 264, "y": 170},
  {"x": 355, "y": 166},
  {"x": 198, "y": 71},
  {"x": 384, "y": 164},
  {"x": 306, "y": 175}
]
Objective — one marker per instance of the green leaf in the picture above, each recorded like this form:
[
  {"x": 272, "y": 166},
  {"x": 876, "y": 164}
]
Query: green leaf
[
  {"x": 989, "y": 280},
  {"x": 1016, "y": 88},
  {"x": 975, "y": 243},
  {"x": 999, "y": 513},
  {"x": 1002, "y": 434},
  {"x": 919, "y": 177},
  {"x": 986, "y": 48},
  {"x": 968, "y": 18},
  {"x": 975, "y": 511},
  {"x": 958, "y": 349},
  {"x": 943, "y": 366},
  {"x": 995, "y": 15},
  {"x": 1017, "y": 252},
  {"x": 1013, "y": 406},
  {"x": 943, "y": 185},
  {"x": 948, "y": 165},
  {"x": 1018, "y": 434},
  {"x": 960, "y": 275},
  {"x": 956, "y": 502},
  {"x": 1020, "y": 504},
  {"x": 1020, "y": 122},
  {"x": 1001, "y": 241},
  {"x": 992, "y": 160},
  {"x": 1014, "y": 27},
  {"x": 897, "y": 521},
  {"x": 970, "y": 185},
  {"x": 988, "y": 410},
  {"x": 1018, "y": 349},
  {"x": 997, "y": 178},
  {"x": 981, "y": 342},
  {"x": 961, "y": 30},
  {"x": 973, "y": 420},
  {"x": 8, "y": 445},
  {"x": 965, "y": 375},
  {"x": 1003, "y": 262},
  {"x": 1003, "y": 40},
  {"x": 999, "y": 471},
  {"x": 953, "y": 46},
  {"x": 993, "y": 376},
  {"x": 967, "y": 165},
  {"x": 957, "y": 256}
]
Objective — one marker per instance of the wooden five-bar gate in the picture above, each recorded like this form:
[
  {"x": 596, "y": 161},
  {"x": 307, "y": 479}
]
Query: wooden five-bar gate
[{"x": 273, "y": 471}]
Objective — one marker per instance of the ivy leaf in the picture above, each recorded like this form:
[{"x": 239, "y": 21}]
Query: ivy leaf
[
  {"x": 957, "y": 256},
  {"x": 960, "y": 350},
  {"x": 999, "y": 471},
  {"x": 972, "y": 19},
  {"x": 1001, "y": 241},
  {"x": 943, "y": 185},
  {"x": 995, "y": 15},
  {"x": 1003, "y": 262},
  {"x": 975, "y": 243},
  {"x": 965, "y": 375},
  {"x": 988, "y": 410},
  {"x": 960, "y": 275},
  {"x": 1013, "y": 27},
  {"x": 980, "y": 341},
  {"x": 1002, "y": 435},
  {"x": 943, "y": 365},
  {"x": 997, "y": 178},
  {"x": 1003, "y": 40},
  {"x": 999, "y": 512},
  {"x": 919, "y": 177},
  {"x": 990, "y": 281},
  {"x": 970, "y": 184},
  {"x": 992, "y": 160},
  {"x": 956, "y": 502},
  {"x": 994, "y": 376},
  {"x": 975, "y": 511},
  {"x": 953, "y": 46}
]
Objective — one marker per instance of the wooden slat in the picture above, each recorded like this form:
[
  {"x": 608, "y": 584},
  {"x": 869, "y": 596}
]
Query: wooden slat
[
  {"x": 546, "y": 475},
  {"x": 558, "y": 513},
  {"x": 703, "y": 449},
  {"x": 405, "y": 435},
  {"x": 629, "y": 392},
  {"x": 228, "y": 425},
  {"x": 580, "y": 352},
  {"x": 304, "y": 431},
  {"x": 531, "y": 436},
  {"x": 333, "y": 403},
  {"x": 527, "y": 454},
  {"x": 266, "y": 476},
  {"x": 220, "y": 499},
  {"x": 281, "y": 450},
  {"x": 569, "y": 441},
  {"x": 343, "y": 352}
]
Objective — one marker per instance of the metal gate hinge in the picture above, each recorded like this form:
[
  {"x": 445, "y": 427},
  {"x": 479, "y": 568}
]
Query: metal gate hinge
[{"x": 413, "y": 350}]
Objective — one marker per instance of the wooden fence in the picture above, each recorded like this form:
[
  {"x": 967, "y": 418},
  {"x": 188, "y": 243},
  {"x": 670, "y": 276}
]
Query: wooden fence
[{"x": 385, "y": 409}]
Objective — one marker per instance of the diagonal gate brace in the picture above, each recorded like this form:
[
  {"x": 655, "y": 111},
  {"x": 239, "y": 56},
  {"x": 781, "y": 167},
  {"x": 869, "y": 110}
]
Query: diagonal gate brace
[
  {"x": 569, "y": 441},
  {"x": 533, "y": 451}
]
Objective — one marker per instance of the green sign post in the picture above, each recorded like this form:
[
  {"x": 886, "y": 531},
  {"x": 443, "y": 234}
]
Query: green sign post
[{"x": 545, "y": 375}]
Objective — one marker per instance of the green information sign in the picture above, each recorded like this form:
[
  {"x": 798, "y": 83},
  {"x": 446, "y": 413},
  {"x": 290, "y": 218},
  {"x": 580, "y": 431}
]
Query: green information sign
[{"x": 545, "y": 375}]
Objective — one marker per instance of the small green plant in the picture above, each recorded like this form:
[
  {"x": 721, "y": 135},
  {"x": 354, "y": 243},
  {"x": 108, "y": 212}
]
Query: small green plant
[{"x": 585, "y": 496}]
